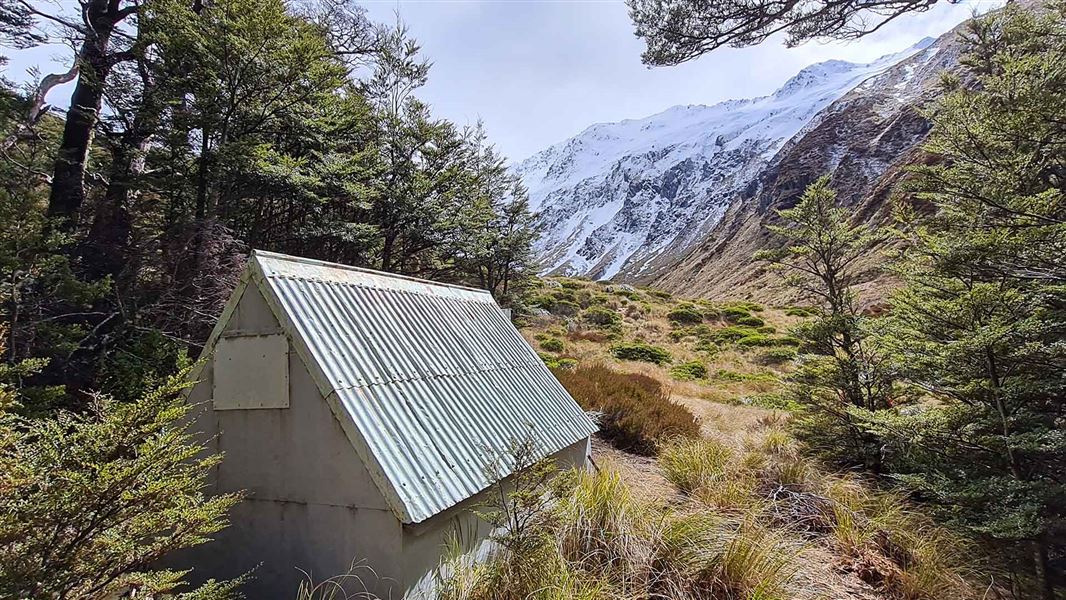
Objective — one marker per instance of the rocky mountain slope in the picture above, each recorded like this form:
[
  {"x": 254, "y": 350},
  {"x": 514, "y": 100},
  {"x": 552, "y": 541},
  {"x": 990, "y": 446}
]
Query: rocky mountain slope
[{"x": 679, "y": 198}]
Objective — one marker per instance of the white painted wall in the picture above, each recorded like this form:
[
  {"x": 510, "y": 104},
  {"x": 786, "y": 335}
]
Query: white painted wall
[{"x": 311, "y": 504}]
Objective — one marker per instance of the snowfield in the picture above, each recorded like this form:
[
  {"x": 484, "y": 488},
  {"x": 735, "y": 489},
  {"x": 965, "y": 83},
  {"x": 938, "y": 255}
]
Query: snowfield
[{"x": 617, "y": 195}]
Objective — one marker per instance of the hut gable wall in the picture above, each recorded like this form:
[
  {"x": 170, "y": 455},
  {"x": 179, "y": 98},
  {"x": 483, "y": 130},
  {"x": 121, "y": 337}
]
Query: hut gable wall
[{"x": 311, "y": 504}]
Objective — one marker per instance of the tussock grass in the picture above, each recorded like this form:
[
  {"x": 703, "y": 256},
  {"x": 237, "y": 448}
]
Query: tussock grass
[
  {"x": 747, "y": 499},
  {"x": 768, "y": 485},
  {"x": 690, "y": 464},
  {"x": 602, "y": 543}
]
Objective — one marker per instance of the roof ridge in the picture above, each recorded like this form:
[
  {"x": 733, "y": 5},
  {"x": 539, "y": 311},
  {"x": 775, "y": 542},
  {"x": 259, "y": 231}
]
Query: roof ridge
[{"x": 256, "y": 253}]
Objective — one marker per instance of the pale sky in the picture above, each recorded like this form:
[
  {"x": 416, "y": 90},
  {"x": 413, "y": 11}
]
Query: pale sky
[{"x": 539, "y": 71}]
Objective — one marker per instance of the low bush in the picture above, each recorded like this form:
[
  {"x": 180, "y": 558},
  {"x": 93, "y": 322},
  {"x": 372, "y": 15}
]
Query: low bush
[
  {"x": 687, "y": 371},
  {"x": 565, "y": 308},
  {"x": 788, "y": 340},
  {"x": 641, "y": 352},
  {"x": 558, "y": 362},
  {"x": 750, "y": 321},
  {"x": 551, "y": 344},
  {"x": 744, "y": 305},
  {"x": 767, "y": 329},
  {"x": 797, "y": 311},
  {"x": 727, "y": 335},
  {"x": 572, "y": 284},
  {"x": 707, "y": 347},
  {"x": 685, "y": 314},
  {"x": 776, "y": 356},
  {"x": 661, "y": 295},
  {"x": 600, "y": 316},
  {"x": 770, "y": 401},
  {"x": 637, "y": 414},
  {"x": 732, "y": 313},
  {"x": 726, "y": 375},
  {"x": 756, "y": 340}
]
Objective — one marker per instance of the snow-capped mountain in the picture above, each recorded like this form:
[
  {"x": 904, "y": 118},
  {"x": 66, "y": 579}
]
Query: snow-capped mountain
[{"x": 622, "y": 200}]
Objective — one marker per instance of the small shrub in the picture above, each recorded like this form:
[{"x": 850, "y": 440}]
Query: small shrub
[
  {"x": 797, "y": 311},
  {"x": 731, "y": 334},
  {"x": 571, "y": 284},
  {"x": 685, "y": 314},
  {"x": 751, "y": 321},
  {"x": 707, "y": 347},
  {"x": 661, "y": 295},
  {"x": 636, "y": 412},
  {"x": 600, "y": 316},
  {"x": 688, "y": 371},
  {"x": 726, "y": 375},
  {"x": 544, "y": 301},
  {"x": 711, "y": 313},
  {"x": 558, "y": 362},
  {"x": 777, "y": 356},
  {"x": 551, "y": 344},
  {"x": 639, "y": 351},
  {"x": 788, "y": 341},
  {"x": 565, "y": 308},
  {"x": 767, "y": 329},
  {"x": 745, "y": 305},
  {"x": 770, "y": 401},
  {"x": 732, "y": 313},
  {"x": 756, "y": 340}
]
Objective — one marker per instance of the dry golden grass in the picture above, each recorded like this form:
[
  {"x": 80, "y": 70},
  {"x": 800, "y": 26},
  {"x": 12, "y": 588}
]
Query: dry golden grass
[{"x": 782, "y": 527}]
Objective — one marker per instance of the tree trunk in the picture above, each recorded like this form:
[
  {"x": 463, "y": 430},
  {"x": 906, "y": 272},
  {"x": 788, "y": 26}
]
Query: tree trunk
[
  {"x": 1043, "y": 570},
  {"x": 107, "y": 247},
  {"x": 68, "y": 178}
]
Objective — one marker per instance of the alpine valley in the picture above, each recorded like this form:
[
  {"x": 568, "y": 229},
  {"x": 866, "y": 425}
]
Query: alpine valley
[{"x": 680, "y": 199}]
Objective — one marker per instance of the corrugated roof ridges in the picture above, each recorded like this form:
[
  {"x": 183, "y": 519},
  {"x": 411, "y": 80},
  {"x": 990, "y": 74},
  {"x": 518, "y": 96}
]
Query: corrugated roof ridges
[{"x": 435, "y": 379}]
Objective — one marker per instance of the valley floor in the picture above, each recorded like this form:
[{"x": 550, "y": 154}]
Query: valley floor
[{"x": 836, "y": 536}]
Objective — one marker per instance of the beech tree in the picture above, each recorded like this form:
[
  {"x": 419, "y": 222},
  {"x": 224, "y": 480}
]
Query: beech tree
[
  {"x": 981, "y": 322},
  {"x": 676, "y": 31},
  {"x": 843, "y": 378}
]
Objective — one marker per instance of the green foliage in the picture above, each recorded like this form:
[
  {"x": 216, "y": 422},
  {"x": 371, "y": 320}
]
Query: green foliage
[
  {"x": 766, "y": 329},
  {"x": 660, "y": 295},
  {"x": 981, "y": 320},
  {"x": 777, "y": 356},
  {"x": 843, "y": 370},
  {"x": 731, "y": 334},
  {"x": 142, "y": 362},
  {"x": 771, "y": 401},
  {"x": 734, "y": 313},
  {"x": 637, "y": 414},
  {"x": 600, "y": 316},
  {"x": 565, "y": 308},
  {"x": 750, "y": 321},
  {"x": 685, "y": 314},
  {"x": 552, "y": 344},
  {"x": 727, "y": 375},
  {"x": 558, "y": 362},
  {"x": 708, "y": 347},
  {"x": 688, "y": 371},
  {"x": 756, "y": 340},
  {"x": 640, "y": 351},
  {"x": 88, "y": 503}
]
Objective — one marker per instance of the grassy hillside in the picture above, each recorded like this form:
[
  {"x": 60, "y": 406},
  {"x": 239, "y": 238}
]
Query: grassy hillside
[{"x": 700, "y": 491}]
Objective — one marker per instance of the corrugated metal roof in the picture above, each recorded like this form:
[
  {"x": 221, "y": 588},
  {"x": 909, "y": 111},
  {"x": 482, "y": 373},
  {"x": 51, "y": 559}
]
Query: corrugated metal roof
[{"x": 434, "y": 379}]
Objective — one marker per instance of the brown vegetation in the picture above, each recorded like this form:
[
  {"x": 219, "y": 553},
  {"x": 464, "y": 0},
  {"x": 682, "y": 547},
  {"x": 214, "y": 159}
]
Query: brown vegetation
[{"x": 636, "y": 413}]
